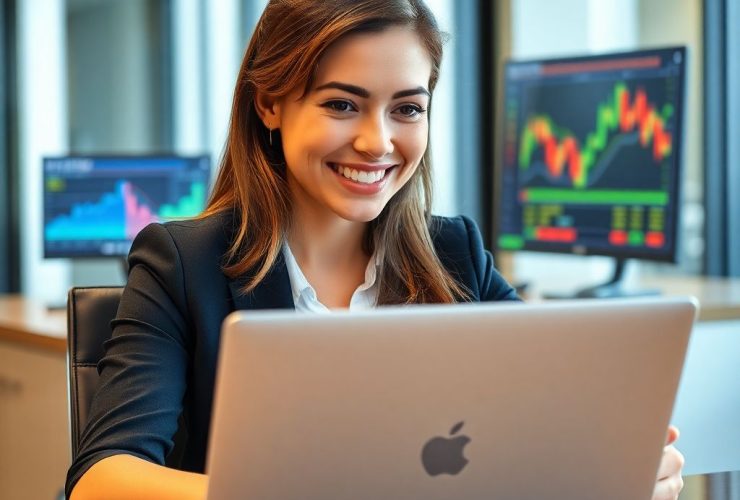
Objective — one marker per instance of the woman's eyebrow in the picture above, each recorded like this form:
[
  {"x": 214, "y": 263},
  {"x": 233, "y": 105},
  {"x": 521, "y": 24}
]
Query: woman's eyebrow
[
  {"x": 416, "y": 91},
  {"x": 361, "y": 92}
]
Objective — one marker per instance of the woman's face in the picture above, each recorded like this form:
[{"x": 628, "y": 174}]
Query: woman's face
[{"x": 360, "y": 132}]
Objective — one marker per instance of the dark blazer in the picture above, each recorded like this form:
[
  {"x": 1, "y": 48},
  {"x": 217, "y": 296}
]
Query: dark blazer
[{"x": 160, "y": 363}]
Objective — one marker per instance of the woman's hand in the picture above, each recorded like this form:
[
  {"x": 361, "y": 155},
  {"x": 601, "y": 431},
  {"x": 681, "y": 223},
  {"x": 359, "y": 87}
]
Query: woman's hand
[{"x": 669, "y": 481}]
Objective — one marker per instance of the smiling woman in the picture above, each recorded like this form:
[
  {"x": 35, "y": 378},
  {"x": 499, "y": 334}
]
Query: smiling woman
[
  {"x": 336, "y": 124},
  {"x": 351, "y": 142},
  {"x": 322, "y": 202}
]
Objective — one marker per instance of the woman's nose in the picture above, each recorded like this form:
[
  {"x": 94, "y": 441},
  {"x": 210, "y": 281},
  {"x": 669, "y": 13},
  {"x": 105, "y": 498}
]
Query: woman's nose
[{"x": 374, "y": 138}]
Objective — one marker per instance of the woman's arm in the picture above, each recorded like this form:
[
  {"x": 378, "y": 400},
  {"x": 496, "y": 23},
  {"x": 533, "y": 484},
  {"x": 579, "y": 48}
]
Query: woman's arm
[
  {"x": 143, "y": 374},
  {"x": 126, "y": 477}
]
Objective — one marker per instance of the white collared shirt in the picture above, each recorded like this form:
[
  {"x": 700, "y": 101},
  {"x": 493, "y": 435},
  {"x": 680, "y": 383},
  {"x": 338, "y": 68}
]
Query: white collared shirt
[{"x": 304, "y": 295}]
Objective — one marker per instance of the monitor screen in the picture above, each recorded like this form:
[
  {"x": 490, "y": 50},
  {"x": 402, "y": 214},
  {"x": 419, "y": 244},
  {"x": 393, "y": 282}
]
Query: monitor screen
[
  {"x": 591, "y": 154},
  {"x": 95, "y": 206}
]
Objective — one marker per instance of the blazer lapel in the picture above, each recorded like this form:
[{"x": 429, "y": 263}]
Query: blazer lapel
[{"x": 273, "y": 292}]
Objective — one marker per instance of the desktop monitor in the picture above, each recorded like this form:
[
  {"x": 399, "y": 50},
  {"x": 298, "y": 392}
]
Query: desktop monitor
[
  {"x": 591, "y": 156},
  {"x": 94, "y": 206}
]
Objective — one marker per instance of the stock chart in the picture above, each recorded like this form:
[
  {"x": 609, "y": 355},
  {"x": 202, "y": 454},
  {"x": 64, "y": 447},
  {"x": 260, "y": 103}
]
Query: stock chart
[
  {"x": 590, "y": 154},
  {"x": 98, "y": 206}
]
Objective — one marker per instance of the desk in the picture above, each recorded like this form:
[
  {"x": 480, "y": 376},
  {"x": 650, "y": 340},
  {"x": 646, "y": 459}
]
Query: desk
[
  {"x": 31, "y": 324},
  {"x": 707, "y": 407},
  {"x": 719, "y": 297},
  {"x": 34, "y": 442},
  {"x": 708, "y": 402}
]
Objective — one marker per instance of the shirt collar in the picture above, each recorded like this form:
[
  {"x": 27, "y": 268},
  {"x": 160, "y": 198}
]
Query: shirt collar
[{"x": 302, "y": 288}]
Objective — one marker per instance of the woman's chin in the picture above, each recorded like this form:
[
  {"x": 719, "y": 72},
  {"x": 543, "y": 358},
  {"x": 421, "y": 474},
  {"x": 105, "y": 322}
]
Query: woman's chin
[{"x": 359, "y": 214}]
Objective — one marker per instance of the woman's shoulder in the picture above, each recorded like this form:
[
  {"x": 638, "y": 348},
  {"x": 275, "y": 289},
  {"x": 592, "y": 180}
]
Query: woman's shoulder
[
  {"x": 218, "y": 226},
  {"x": 455, "y": 233},
  {"x": 209, "y": 226},
  {"x": 459, "y": 245},
  {"x": 201, "y": 237}
]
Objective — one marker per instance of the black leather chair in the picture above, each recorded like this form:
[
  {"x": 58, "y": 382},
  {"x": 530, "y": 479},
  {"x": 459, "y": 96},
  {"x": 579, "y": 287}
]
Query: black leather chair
[{"x": 89, "y": 313}]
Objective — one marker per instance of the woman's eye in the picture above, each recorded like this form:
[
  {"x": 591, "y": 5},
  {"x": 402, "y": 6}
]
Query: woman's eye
[
  {"x": 339, "y": 106},
  {"x": 410, "y": 110}
]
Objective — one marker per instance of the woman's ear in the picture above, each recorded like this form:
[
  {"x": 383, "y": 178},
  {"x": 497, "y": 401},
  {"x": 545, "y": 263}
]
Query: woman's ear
[{"x": 268, "y": 109}]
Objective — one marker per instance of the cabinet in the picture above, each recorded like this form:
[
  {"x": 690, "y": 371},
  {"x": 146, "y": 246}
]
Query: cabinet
[{"x": 34, "y": 443}]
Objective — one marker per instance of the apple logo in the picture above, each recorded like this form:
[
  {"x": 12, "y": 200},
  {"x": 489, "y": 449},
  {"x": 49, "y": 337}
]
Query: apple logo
[{"x": 442, "y": 455}]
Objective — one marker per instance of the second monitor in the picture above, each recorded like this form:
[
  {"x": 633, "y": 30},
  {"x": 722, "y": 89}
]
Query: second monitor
[
  {"x": 94, "y": 206},
  {"x": 591, "y": 157}
]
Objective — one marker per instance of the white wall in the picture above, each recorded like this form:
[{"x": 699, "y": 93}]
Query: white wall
[
  {"x": 223, "y": 53},
  {"x": 112, "y": 107},
  {"x": 42, "y": 113},
  {"x": 188, "y": 80},
  {"x": 443, "y": 118}
]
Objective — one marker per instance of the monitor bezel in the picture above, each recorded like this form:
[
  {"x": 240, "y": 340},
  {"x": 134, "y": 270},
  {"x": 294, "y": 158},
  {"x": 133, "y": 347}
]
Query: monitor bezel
[
  {"x": 670, "y": 255},
  {"x": 105, "y": 156}
]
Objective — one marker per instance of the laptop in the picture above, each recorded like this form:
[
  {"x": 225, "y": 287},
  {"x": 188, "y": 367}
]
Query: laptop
[{"x": 567, "y": 400}]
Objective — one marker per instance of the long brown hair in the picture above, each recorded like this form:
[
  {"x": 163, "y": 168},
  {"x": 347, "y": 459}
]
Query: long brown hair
[{"x": 288, "y": 42}]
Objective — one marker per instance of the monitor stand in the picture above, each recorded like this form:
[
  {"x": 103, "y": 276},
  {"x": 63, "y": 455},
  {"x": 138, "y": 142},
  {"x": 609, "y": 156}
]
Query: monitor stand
[
  {"x": 611, "y": 289},
  {"x": 62, "y": 304},
  {"x": 56, "y": 306}
]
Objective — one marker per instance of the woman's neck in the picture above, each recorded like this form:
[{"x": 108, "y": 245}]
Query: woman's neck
[
  {"x": 327, "y": 242},
  {"x": 331, "y": 256}
]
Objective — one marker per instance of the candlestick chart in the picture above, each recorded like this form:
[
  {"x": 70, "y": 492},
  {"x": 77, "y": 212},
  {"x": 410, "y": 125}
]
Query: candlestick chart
[
  {"x": 591, "y": 154},
  {"x": 620, "y": 120}
]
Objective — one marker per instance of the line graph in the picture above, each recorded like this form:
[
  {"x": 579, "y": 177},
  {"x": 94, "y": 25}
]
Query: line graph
[
  {"x": 94, "y": 206},
  {"x": 625, "y": 118},
  {"x": 120, "y": 213}
]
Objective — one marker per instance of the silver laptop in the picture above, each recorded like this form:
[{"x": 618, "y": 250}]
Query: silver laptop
[{"x": 545, "y": 401}]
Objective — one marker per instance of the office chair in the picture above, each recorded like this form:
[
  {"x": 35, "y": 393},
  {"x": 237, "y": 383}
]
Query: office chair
[{"x": 89, "y": 313}]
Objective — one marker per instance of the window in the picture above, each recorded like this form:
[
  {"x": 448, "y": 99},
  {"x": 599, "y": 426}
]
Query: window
[
  {"x": 4, "y": 174},
  {"x": 722, "y": 148},
  {"x": 8, "y": 279}
]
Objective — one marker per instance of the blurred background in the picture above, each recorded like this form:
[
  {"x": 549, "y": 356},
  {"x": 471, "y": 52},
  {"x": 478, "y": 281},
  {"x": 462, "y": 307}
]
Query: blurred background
[{"x": 142, "y": 78}]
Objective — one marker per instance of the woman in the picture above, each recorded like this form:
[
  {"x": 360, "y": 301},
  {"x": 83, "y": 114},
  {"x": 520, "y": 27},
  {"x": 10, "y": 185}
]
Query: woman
[{"x": 321, "y": 202}]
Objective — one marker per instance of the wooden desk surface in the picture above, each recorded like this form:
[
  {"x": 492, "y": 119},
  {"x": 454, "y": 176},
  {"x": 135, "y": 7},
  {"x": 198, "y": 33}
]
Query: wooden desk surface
[
  {"x": 30, "y": 323},
  {"x": 719, "y": 298}
]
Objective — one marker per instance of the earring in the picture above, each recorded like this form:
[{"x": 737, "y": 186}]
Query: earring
[{"x": 270, "y": 137}]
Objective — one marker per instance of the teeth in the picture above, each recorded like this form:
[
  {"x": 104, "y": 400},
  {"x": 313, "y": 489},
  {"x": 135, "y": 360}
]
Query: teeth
[{"x": 361, "y": 176}]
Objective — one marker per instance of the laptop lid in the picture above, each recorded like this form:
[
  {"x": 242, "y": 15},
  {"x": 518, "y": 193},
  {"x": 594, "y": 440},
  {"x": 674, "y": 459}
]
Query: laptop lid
[{"x": 507, "y": 401}]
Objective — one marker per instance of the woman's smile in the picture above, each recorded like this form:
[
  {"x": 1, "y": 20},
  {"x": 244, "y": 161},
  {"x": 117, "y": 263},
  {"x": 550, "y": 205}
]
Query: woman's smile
[{"x": 361, "y": 178}]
